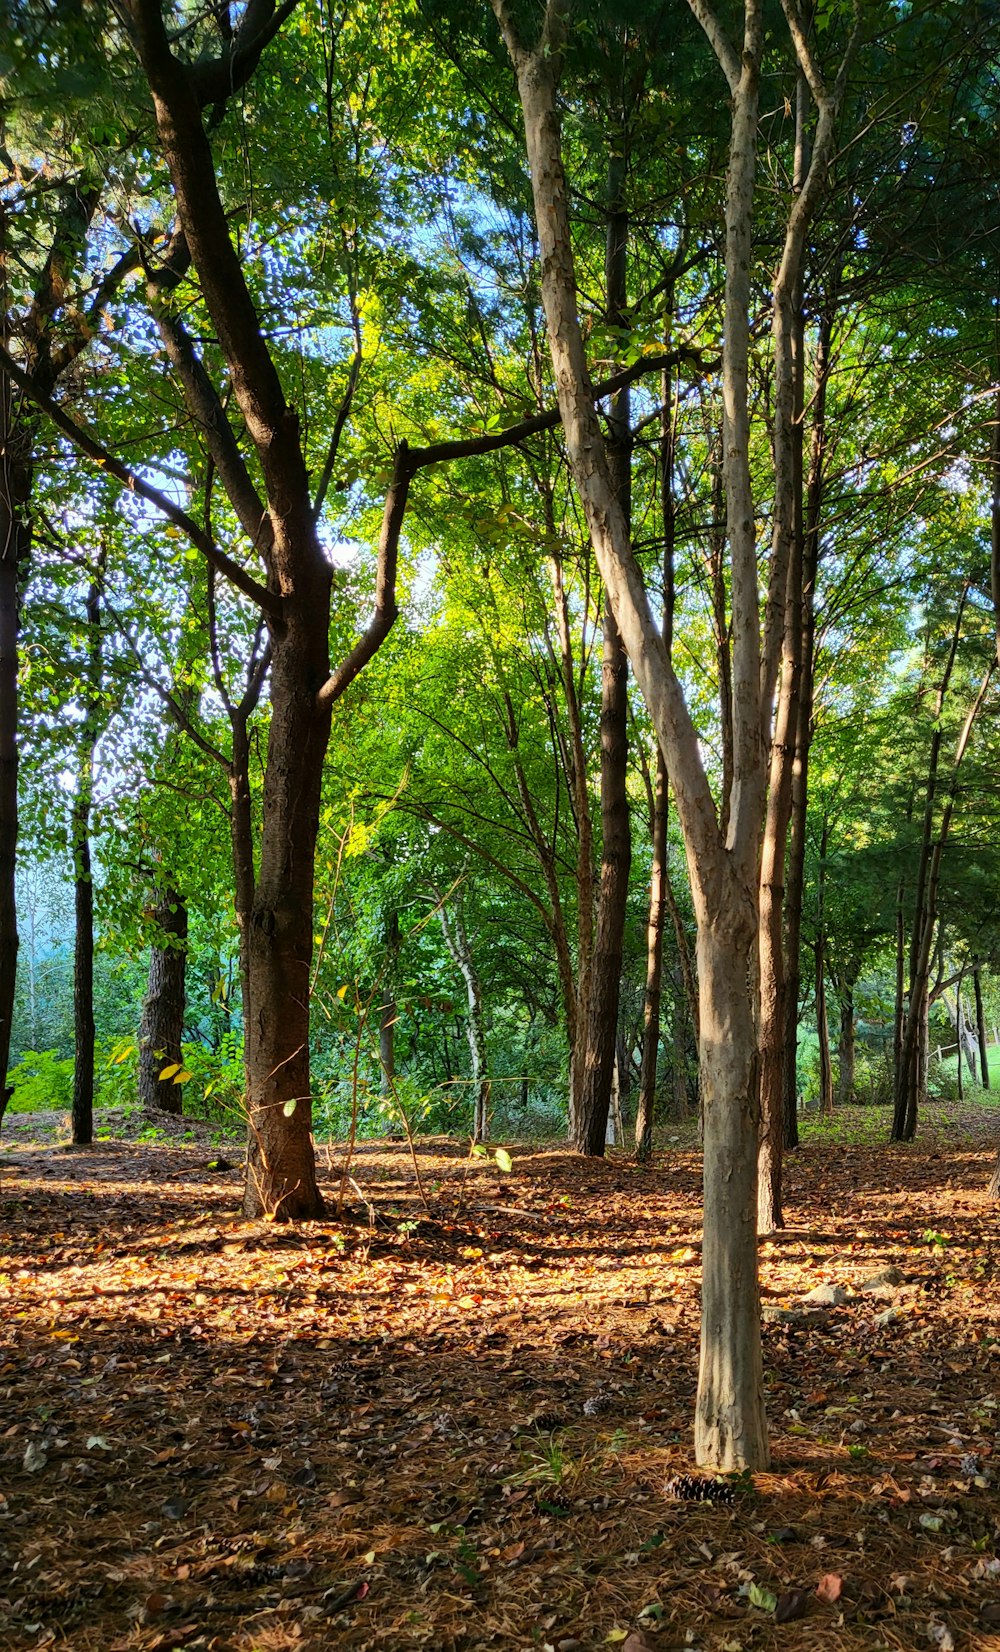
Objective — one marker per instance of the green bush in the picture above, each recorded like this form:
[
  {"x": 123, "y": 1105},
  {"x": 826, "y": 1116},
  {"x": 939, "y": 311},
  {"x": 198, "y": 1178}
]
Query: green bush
[
  {"x": 873, "y": 1078},
  {"x": 43, "y": 1082}
]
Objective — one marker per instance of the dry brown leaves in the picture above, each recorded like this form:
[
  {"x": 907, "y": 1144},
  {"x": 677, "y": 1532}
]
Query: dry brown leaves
[{"x": 220, "y": 1434}]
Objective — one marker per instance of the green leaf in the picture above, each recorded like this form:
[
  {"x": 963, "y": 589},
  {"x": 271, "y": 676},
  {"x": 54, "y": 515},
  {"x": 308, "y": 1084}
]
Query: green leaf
[
  {"x": 290, "y": 1107},
  {"x": 503, "y": 1159},
  {"x": 762, "y": 1598}
]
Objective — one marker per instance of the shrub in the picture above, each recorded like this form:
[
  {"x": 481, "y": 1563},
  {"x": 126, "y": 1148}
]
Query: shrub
[{"x": 43, "y": 1082}]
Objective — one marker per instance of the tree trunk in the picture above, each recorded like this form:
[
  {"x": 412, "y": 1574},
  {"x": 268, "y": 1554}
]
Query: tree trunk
[
  {"x": 730, "y": 1421},
  {"x": 846, "y": 1043},
  {"x": 281, "y": 1169},
  {"x": 601, "y": 1028},
  {"x": 730, "y": 1426},
  {"x": 75, "y": 205},
  {"x": 789, "y": 334},
  {"x": 388, "y": 1010},
  {"x": 575, "y": 989},
  {"x": 658, "y": 878},
  {"x": 899, "y": 1009},
  {"x": 911, "y": 1071},
  {"x": 679, "y": 1062},
  {"x": 83, "y": 883},
  {"x": 654, "y": 968},
  {"x": 795, "y": 869},
  {"x": 15, "y": 492},
  {"x": 984, "y": 1057},
  {"x": 277, "y": 941},
  {"x": 823, "y": 1032},
  {"x": 161, "y": 1028}
]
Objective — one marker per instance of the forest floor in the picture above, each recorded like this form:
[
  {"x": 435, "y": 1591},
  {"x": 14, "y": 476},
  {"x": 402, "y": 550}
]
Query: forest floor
[{"x": 425, "y": 1426}]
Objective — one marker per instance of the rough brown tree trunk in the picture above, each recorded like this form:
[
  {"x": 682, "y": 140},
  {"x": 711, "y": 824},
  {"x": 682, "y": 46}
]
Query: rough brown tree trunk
[
  {"x": 161, "y": 1027},
  {"x": 846, "y": 1042},
  {"x": 83, "y": 882},
  {"x": 728, "y": 1429},
  {"x": 601, "y": 1026},
  {"x": 278, "y": 936},
  {"x": 281, "y": 1170}
]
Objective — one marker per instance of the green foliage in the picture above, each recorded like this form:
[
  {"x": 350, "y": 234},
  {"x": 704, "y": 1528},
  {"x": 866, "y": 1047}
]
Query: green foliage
[{"x": 43, "y": 1082}]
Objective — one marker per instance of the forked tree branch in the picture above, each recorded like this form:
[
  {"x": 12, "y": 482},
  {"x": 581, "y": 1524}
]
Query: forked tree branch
[{"x": 407, "y": 461}]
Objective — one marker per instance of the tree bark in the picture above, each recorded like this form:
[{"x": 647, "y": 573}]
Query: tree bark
[
  {"x": 161, "y": 1027},
  {"x": 601, "y": 1027},
  {"x": 658, "y": 878},
  {"x": 83, "y": 882},
  {"x": 278, "y": 937},
  {"x": 730, "y": 1428},
  {"x": 846, "y": 1043}
]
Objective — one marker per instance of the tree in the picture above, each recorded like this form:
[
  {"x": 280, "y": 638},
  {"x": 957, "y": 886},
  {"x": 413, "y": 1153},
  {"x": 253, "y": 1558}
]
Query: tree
[{"x": 730, "y": 1428}]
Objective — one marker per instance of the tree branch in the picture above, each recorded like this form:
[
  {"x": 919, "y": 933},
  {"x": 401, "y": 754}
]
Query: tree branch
[
  {"x": 720, "y": 42},
  {"x": 407, "y": 462},
  {"x": 85, "y": 442},
  {"x": 202, "y": 398},
  {"x": 215, "y": 82}
]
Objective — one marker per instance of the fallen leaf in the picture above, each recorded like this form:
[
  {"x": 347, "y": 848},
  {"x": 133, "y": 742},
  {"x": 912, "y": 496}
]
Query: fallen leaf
[
  {"x": 830, "y": 1587},
  {"x": 763, "y": 1598},
  {"x": 793, "y": 1603},
  {"x": 34, "y": 1459}
]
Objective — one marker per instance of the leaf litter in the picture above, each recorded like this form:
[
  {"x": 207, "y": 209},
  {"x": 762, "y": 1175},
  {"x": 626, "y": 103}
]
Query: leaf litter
[{"x": 227, "y": 1435}]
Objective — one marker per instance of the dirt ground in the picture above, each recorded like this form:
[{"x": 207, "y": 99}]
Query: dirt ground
[{"x": 444, "y": 1428}]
